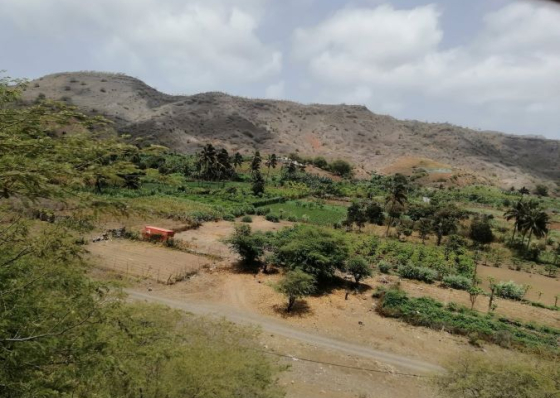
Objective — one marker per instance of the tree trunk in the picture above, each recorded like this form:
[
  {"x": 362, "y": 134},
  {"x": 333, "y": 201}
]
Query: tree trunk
[
  {"x": 529, "y": 240},
  {"x": 291, "y": 302}
]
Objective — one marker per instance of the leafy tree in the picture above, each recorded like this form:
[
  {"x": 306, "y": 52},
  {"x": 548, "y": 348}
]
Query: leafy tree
[
  {"x": 356, "y": 215},
  {"x": 359, "y": 268},
  {"x": 445, "y": 222},
  {"x": 454, "y": 244},
  {"x": 481, "y": 231},
  {"x": 374, "y": 213},
  {"x": 258, "y": 186},
  {"x": 317, "y": 251},
  {"x": 249, "y": 246},
  {"x": 474, "y": 292},
  {"x": 294, "y": 285},
  {"x": 483, "y": 376}
]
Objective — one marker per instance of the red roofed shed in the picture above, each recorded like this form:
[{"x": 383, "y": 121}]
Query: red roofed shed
[{"x": 156, "y": 233}]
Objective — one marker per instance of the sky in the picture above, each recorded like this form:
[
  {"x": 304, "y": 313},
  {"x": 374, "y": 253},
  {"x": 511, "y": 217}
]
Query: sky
[{"x": 484, "y": 64}]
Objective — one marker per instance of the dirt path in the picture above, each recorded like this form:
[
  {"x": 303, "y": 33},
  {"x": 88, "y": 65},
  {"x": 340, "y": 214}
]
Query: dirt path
[{"x": 273, "y": 326}]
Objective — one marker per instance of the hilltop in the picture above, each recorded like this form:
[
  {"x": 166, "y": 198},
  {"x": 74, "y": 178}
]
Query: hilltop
[{"x": 441, "y": 151}]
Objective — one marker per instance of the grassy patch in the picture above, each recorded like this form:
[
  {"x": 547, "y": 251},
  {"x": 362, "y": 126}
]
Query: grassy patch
[{"x": 310, "y": 211}]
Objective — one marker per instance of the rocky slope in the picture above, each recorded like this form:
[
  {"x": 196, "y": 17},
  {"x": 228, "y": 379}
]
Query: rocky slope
[{"x": 371, "y": 141}]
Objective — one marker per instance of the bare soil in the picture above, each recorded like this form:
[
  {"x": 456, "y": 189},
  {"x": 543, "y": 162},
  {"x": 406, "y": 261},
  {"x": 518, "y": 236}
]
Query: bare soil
[{"x": 209, "y": 237}]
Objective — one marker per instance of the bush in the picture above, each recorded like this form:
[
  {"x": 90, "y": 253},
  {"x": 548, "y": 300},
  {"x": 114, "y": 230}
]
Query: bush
[
  {"x": 229, "y": 217},
  {"x": 247, "y": 219},
  {"x": 457, "y": 282},
  {"x": 423, "y": 274},
  {"x": 384, "y": 267},
  {"x": 272, "y": 218},
  {"x": 359, "y": 268},
  {"x": 262, "y": 211},
  {"x": 249, "y": 246},
  {"x": 292, "y": 218},
  {"x": 511, "y": 290}
]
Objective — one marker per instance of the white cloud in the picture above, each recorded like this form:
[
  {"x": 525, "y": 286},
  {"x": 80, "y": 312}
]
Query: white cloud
[
  {"x": 384, "y": 56},
  {"x": 276, "y": 90},
  {"x": 194, "y": 43}
]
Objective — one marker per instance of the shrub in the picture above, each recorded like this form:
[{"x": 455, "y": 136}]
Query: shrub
[
  {"x": 229, "y": 217},
  {"x": 247, "y": 219},
  {"x": 457, "y": 282},
  {"x": 272, "y": 218},
  {"x": 423, "y": 274},
  {"x": 384, "y": 267},
  {"x": 292, "y": 218},
  {"x": 249, "y": 246},
  {"x": 511, "y": 290},
  {"x": 262, "y": 211}
]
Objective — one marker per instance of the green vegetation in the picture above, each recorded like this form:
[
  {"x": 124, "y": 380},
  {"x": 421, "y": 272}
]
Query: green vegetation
[
  {"x": 312, "y": 212},
  {"x": 476, "y": 375},
  {"x": 294, "y": 285},
  {"x": 459, "y": 320},
  {"x": 65, "y": 335}
]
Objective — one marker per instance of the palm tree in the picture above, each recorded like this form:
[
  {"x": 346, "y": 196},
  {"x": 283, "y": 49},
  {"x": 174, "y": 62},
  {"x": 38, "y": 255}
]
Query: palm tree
[
  {"x": 518, "y": 213},
  {"x": 256, "y": 162},
  {"x": 536, "y": 222},
  {"x": 207, "y": 162},
  {"x": 237, "y": 160},
  {"x": 271, "y": 161},
  {"x": 397, "y": 197}
]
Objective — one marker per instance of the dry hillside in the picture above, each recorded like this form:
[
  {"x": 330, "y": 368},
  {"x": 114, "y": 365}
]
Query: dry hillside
[{"x": 371, "y": 141}]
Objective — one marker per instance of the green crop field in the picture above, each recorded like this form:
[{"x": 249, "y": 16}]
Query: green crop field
[{"x": 315, "y": 213}]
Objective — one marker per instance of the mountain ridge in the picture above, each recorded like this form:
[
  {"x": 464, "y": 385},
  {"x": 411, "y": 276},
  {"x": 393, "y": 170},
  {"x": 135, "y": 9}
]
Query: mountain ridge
[{"x": 371, "y": 141}]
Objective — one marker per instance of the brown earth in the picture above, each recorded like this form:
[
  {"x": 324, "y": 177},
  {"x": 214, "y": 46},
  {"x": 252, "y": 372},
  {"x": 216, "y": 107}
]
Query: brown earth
[
  {"x": 370, "y": 141},
  {"x": 209, "y": 237}
]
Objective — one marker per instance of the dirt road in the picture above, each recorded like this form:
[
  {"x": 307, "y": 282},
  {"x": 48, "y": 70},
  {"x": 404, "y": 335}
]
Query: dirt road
[{"x": 271, "y": 325}]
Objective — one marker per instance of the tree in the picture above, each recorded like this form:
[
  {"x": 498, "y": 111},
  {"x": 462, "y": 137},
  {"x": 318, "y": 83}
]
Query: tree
[
  {"x": 317, "y": 251},
  {"x": 271, "y": 161},
  {"x": 518, "y": 213},
  {"x": 396, "y": 198},
  {"x": 237, "y": 160},
  {"x": 424, "y": 229},
  {"x": 445, "y": 222},
  {"x": 341, "y": 168},
  {"x": 481, "y": 231},
  {"x": 483, "y": 376},
  {"x": 359, "y": 268},
  {"x": 249, "y": 246},
  {"x": 258, "y": 186},
  {"x": 535, "y": 222},
  {"x": 374, "y": 213},
  {"x": 356, "y": 215},
  {"x": 294, "y": 285},
  {"x": 256, "y": 162},
  {"x": 223, "y": 164},
  {"x": 455, "y": 244},
  {"x": 474, "y": 292},
  {"x": 207, "y": 163}
]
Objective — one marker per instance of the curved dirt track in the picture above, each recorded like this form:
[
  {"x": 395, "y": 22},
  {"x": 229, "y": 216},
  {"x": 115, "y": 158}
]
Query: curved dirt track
[{"x": 272, "y": 325}]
